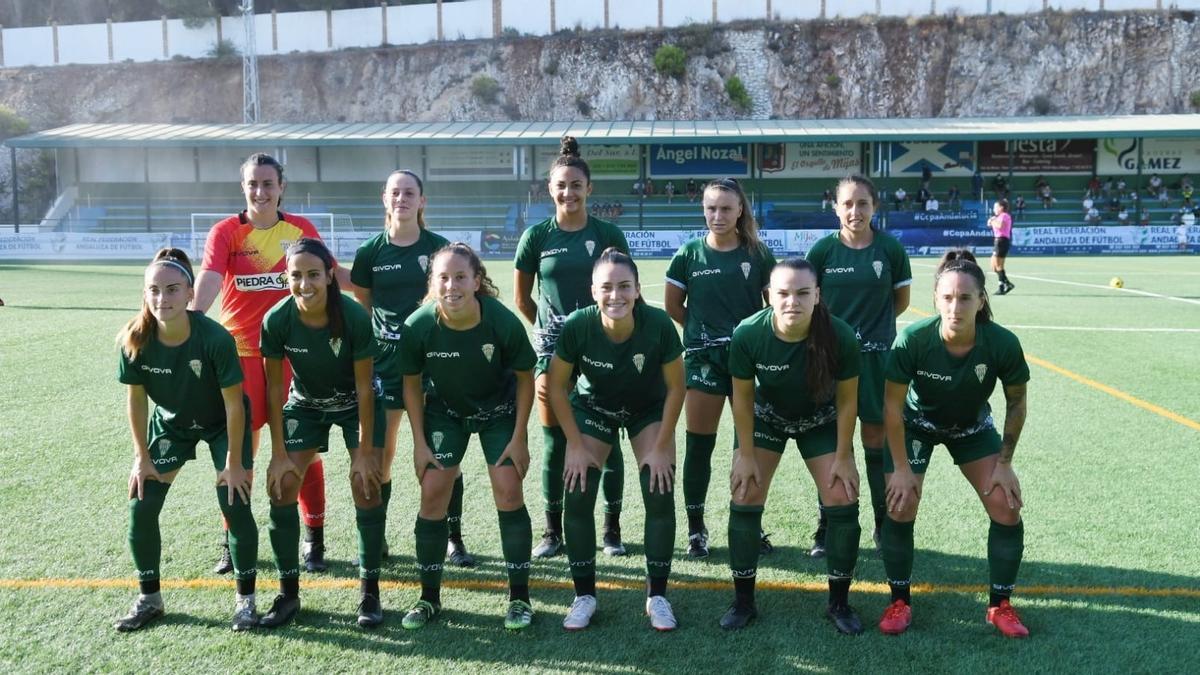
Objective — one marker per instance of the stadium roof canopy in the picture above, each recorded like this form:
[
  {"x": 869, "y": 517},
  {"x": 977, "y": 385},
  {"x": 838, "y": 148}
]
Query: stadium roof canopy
[{"x": 662, "y": 131}]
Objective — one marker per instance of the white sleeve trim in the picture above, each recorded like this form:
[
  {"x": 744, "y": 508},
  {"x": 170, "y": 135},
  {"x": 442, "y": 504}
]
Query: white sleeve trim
[
  {"x": 677, "y": 284},
  {"x": 902, "y": 284}
]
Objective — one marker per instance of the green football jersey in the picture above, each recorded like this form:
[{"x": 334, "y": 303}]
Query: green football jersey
[
  {"x": 780, "y": 372},
  {"x": 322, "y": 366},
  {"x": 857, "y": 285},
  {"x": 467, "y": 373},
  {"x": 723, "y": 287},
  {"x": 619, "y": 380},
  {"x": 563, "y": 264},
  {"x": 948, "y": 395},
  {"x": 185, "y": 381},
  {"x": 397, "y": 276}
]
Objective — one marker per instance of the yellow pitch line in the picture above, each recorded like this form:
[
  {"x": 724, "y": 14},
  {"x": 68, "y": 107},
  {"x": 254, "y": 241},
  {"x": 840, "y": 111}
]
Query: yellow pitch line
[
  {"x": 1100, "y": 386},
  {"x": 629, "y": 585}
]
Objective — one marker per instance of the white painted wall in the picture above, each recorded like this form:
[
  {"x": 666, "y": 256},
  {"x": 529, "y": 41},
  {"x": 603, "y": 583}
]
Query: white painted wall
[
  {"x": 30, "y": 47},
  {"x": 134, "y": 41},
  {"x": 300, "y": 32},
  {"x": 417, "y": 24},
  {"x": 788, "y": 10},
  {"x": 736, "y": 10},
  {"x": 172, "y": 165},
  {"x": 848, "y": 9},
  {"x": 469, "y": 20},
  {"x": 220, "y": 165},
  {"x": 683, "y": 12},
  {"x": 357, "y": 164},
  {"x": 412, "y": 24},
  {"x": 584, "y": 13},
  {"x": 193, "y": 42},
  {"x": 86, "y": 43},
  {"x": 357, "y": 27},
  {"x": 533, "y": 16},
  {"x": 110, "y": 165},
  {"x": 632, "y": 14}
]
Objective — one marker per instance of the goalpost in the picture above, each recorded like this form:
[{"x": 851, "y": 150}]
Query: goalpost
[{"x": 328, "y": 225}]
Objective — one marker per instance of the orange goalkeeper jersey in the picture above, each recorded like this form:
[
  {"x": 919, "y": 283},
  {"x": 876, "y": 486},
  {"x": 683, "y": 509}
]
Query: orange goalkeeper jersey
[{"x": 253, "y": 271}]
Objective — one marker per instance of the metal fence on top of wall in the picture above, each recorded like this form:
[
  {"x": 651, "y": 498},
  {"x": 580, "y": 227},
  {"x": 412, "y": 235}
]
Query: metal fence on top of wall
[{"x": 319, "y": 31}]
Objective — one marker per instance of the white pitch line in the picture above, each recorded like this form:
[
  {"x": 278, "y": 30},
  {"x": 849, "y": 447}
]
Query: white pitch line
[
  {"x": 1106, "y": 287},
  {"x": 1093, "y": 329},
  {"x": 1135, "y": 291}
]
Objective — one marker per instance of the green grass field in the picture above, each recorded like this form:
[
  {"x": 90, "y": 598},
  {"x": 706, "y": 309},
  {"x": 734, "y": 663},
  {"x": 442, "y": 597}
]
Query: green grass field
[{"x": 1108, "y": 463}]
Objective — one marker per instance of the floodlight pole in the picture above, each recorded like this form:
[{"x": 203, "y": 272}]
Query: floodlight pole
[{"x": 249, "y": 66}]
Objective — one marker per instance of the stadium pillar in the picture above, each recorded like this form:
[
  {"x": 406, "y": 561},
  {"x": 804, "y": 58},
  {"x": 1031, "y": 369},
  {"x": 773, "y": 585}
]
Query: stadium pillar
[
  {"x": 439, "y": 13},
  {"x": 146, "y": 182},
  {"x": 16, "y": 209},
  {"x": 1137, "y": 184},
  {"x": 641, "y": 175}
]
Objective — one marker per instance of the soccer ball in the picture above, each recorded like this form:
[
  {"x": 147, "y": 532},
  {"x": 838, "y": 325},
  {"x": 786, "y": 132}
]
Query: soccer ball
[{"x": 1116, "y": 282}]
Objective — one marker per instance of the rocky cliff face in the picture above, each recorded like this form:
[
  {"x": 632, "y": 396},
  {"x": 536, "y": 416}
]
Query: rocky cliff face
[{"x": 947, "y": 66}]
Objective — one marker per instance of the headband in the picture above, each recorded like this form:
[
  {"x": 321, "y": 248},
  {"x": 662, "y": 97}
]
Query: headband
[{"x": 173, "y": 263}]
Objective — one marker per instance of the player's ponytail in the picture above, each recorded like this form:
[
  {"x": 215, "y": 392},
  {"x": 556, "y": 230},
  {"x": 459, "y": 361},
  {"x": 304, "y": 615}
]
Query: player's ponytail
[
  {"x": 333, "y": 295},
  {"x": 143, "y": 328}
]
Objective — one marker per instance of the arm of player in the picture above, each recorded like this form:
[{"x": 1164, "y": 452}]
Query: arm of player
[
  {"x": 414, "y": 405},
  {"x": 902, "y": 485},
  {"x": 208, "y": 286},
  {"x": 518, "y": 446},
  {"x": 236, "y": 478},
  {"x": 674, "y": 301},
  {"x": 745, "y": 466},
  {"x": 137, "y": 406},
  {"x": 1014, "y": 421},
  {"x": 523, "y": 295},
  {"x": 901, "y": 297},
  {"x": 363, "y": 295},
  {"x": 662, "y": 468},
  {"x": 843, "y": 467},
  {"x": 364, "y": 461}
]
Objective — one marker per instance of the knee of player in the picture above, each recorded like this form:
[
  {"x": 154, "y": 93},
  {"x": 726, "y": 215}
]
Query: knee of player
[{"x": 998, "y": 510}]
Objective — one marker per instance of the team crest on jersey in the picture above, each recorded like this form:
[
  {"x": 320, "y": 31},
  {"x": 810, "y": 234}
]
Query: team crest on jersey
[
  {"x": 336, "y": 345},
  {"x": 292, "y": 425},
  {"x": 423, "y": 261},
  {"x": 704, "y": 370},
  {"x": 981, "y": 372},
  {"x": 196, "y": 366},
  {"x": 164, "y": 446},
  {"x": 285, "y": 245},
  {"x": 916, "y": 446},
  {"x": 639, "y": 360},
  {"x": 590, "y": 246},
  {"x": 878, "y": 267},
  {"x": 746, "y": 270},
  {"x": 488, "y": 350},
  {"x": 437, "y": 438}
]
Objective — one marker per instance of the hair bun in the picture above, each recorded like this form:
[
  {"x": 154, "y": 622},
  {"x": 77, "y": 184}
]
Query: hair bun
[{"x": 569, "y": 147}]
